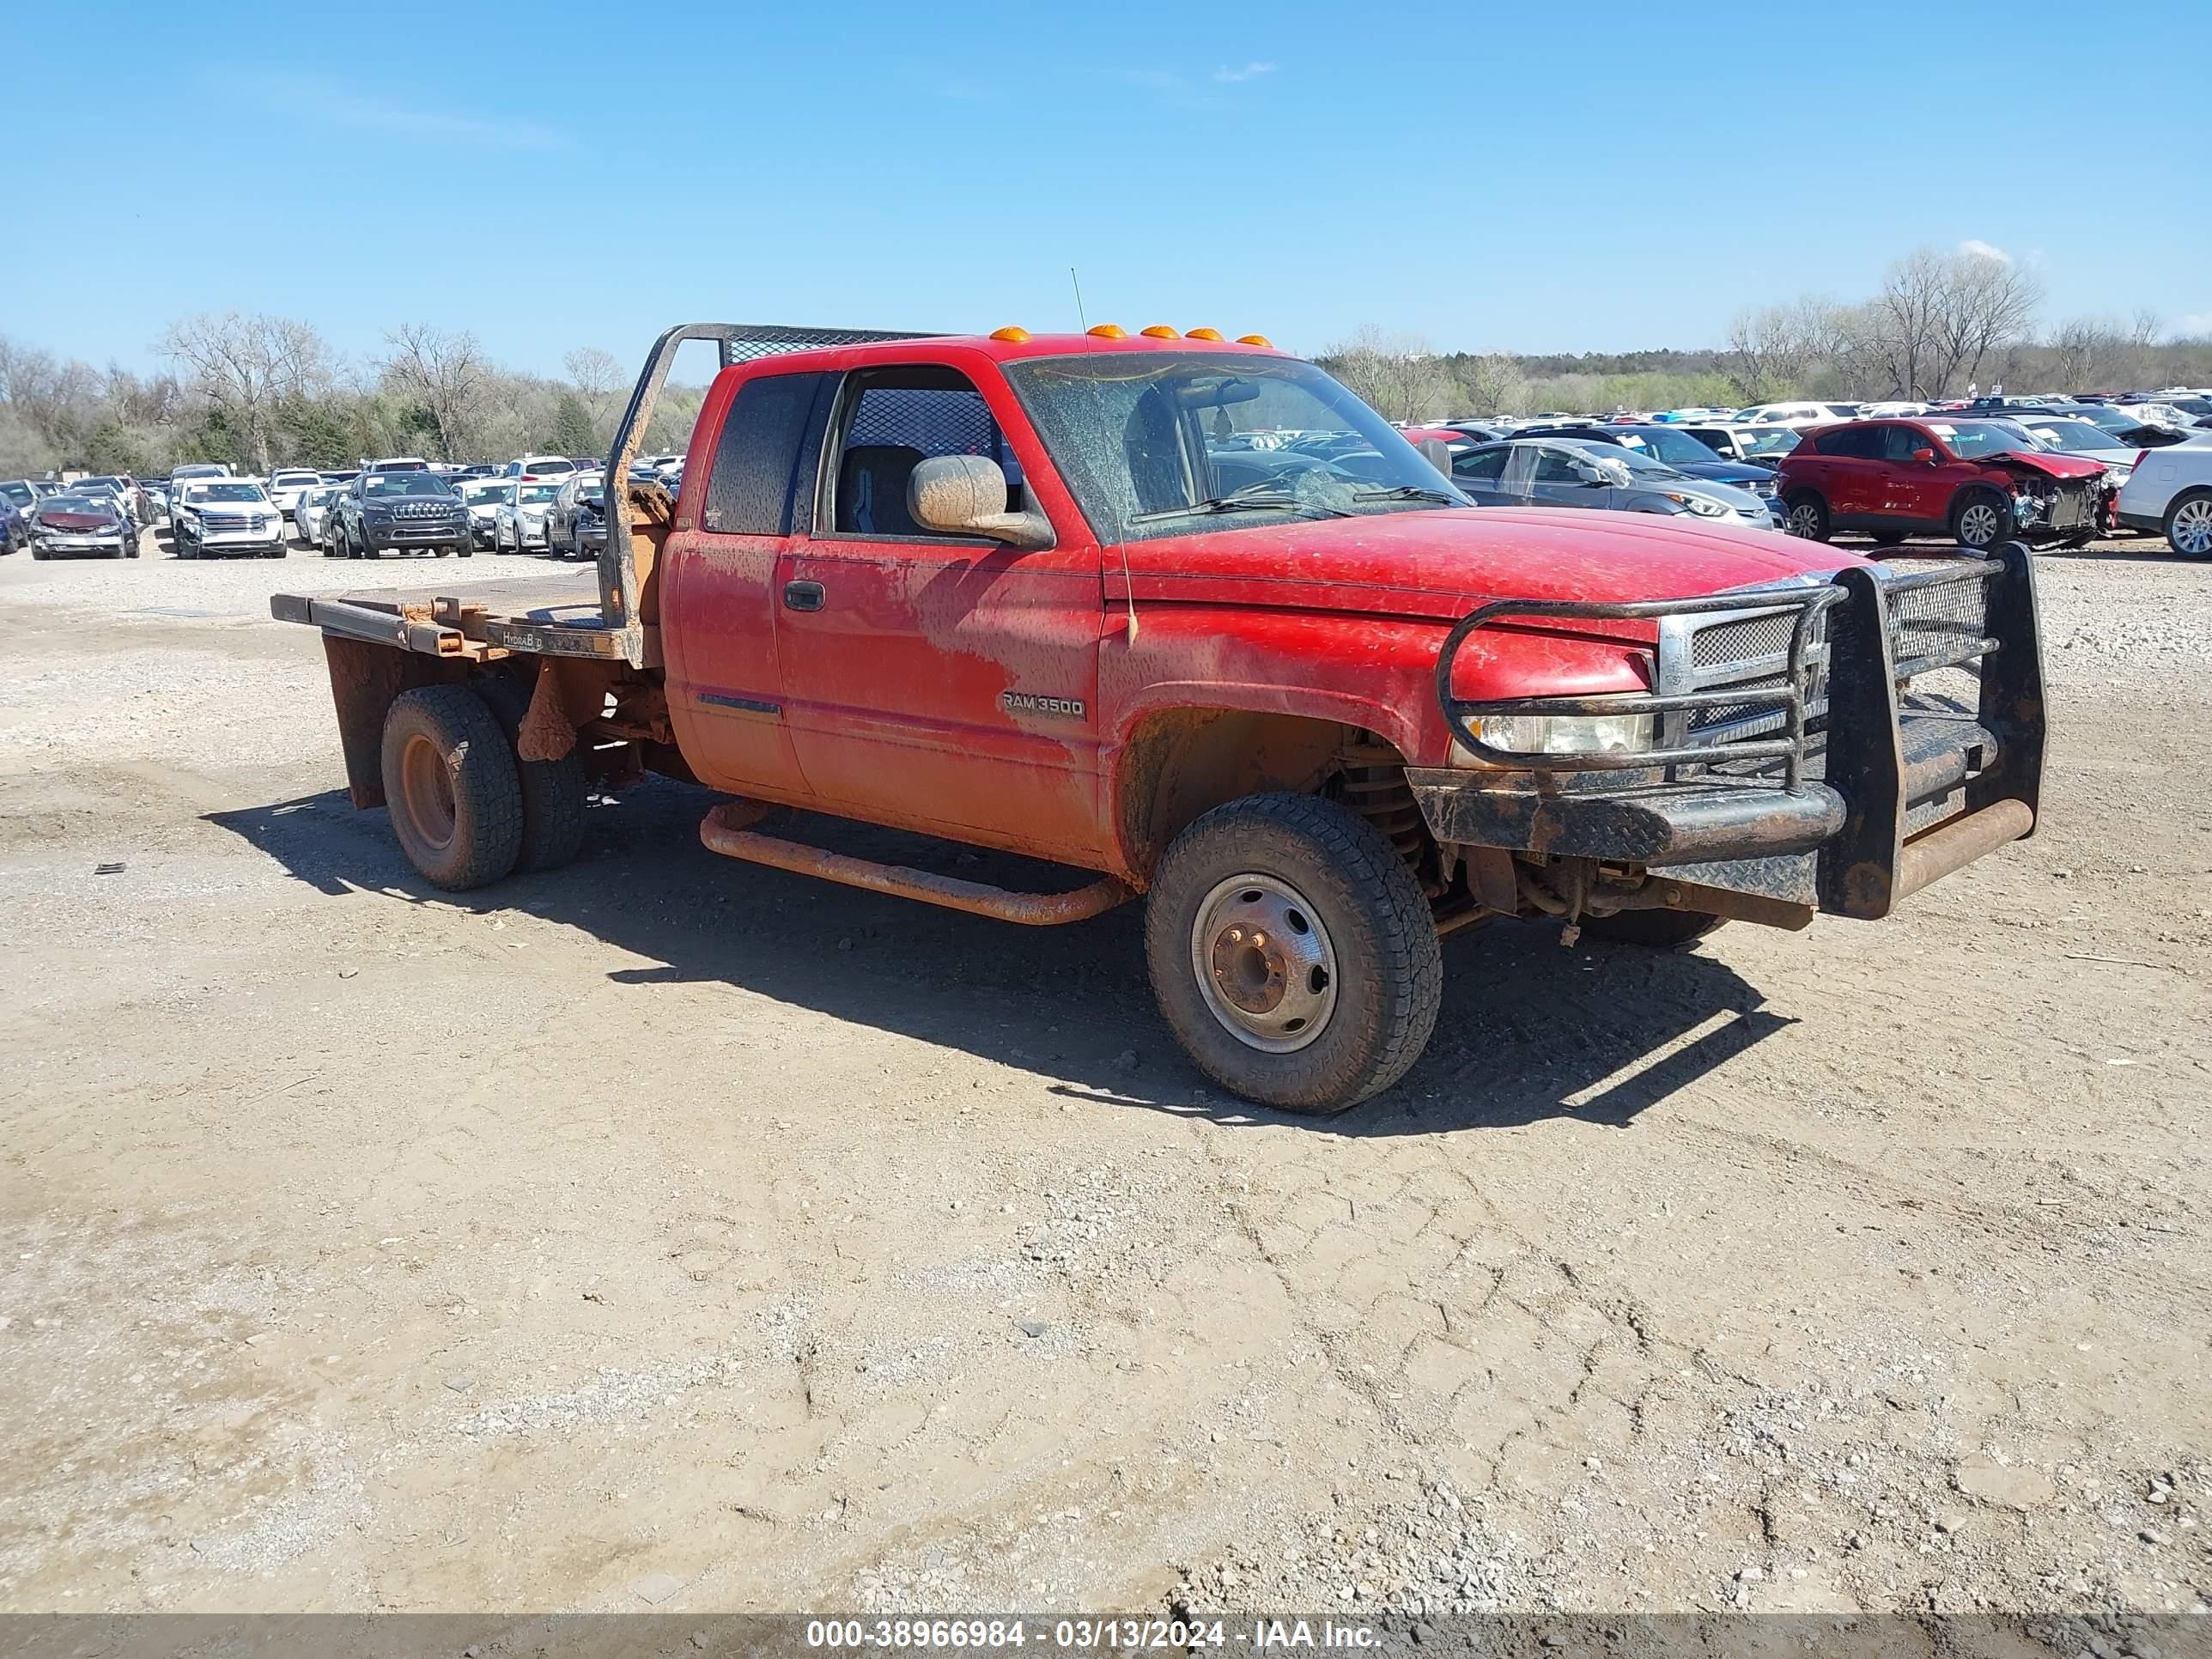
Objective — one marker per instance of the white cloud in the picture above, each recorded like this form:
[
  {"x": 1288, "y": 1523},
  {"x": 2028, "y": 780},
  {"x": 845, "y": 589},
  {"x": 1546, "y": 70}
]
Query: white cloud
[
  {"x": 2198, "y": 322},
  {"x": 1250, "y": 72},
  {"x": 1985, "y": 250},
  {"x": 311, "y": 98}
]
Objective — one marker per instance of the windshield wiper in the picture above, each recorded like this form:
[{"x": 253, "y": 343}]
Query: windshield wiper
[
  {"x": 1240, "y": 501},
  {"x": 1410, "y": 493}
]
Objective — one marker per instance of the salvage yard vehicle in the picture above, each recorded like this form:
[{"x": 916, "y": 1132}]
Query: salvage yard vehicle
[
  {"x": 1571, "y": 471},
  {"x": 92, "y": 522},
  {"x": 2170, "y": 493},
  {"x": 1000, "y": 592},
  {"x": 408, "y": 511},
  {"x": 226, "y": 518},
  {"x": 518, "y": 518},
  {"x": 1980, "y": 481}
]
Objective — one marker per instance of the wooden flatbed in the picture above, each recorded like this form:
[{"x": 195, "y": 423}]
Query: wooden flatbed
[{"x": 554, "y": 614}]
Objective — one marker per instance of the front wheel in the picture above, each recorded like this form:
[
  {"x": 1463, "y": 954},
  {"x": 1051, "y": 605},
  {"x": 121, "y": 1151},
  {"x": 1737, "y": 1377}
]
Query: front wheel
[
  {"x": 450, "y": 782},
  {"x": 1981, "y": 520},
  {"x": 1808, "y": 518},
  {"x": 2189, "y": 524},
  {"x": 1292, "y": 952}
]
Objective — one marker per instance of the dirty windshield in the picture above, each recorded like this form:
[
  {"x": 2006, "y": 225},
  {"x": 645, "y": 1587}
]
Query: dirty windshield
[
  {"x": 406, "y": 484},
  {"x": 1172, "y": 443}
]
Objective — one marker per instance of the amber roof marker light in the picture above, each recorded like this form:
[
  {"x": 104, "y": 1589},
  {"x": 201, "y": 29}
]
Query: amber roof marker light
[
  {"x": 1012, "y": 334},
  {"x": 1211, "y": 334},
  {"x": 1108, "y": 331},
  {"x": 1161, "y": 331},
  {"x": 1255, "y": 339}
]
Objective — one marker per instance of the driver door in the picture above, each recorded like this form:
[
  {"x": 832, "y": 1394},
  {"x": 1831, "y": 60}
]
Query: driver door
[{"x": 941, "y": 682}]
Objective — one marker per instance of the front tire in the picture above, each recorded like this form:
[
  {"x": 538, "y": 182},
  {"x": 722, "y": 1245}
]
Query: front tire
[
  {"x": 1808, "y": 519},
  {"x": 1981, "y": 520},
  {"x": 1292, "y": 953},
  {"x": 451, "y": 784},
  {"x": 2189, "y": 524}
]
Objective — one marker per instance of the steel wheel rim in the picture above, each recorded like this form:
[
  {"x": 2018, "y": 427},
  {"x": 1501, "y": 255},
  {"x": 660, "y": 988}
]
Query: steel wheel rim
[
  {"x": 1977, "y": 525},
  {"x": 2192, "y": 527},
  {"x": 428, "y": 784},
  {"x": 1264, "y": 962},
  {"x": 1803, "y": 520}
]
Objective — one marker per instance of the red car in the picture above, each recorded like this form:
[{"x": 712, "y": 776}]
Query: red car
[{"x": 1981, "y": 483}]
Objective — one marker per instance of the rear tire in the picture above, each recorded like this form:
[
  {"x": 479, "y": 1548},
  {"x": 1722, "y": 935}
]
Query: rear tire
[
  {"x": 1808, "y": 517},
  {"x": 1335, "y": 891},
  {"x": 2189, "y": 524},
  {"x": 1655, "y": 930},
  {"x": 1981, "y": 520},
  {"x": 553, "y": 791},
  {"x": 450, "y": 785}
]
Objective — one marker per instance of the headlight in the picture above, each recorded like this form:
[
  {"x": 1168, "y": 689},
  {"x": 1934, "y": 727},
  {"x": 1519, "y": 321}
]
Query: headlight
[
  {"x": 1563, "y": 734},
  {"x": 1702, "y": 506}
]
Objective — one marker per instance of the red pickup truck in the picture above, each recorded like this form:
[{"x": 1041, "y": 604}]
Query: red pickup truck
[{"x": 1185, "y": 615}]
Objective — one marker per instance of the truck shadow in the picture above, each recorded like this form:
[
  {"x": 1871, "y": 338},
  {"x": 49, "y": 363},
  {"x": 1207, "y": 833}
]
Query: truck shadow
[{"x": 1529, "y": 1030}]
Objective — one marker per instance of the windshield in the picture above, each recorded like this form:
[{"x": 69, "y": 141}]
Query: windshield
[
  {"x": 483, "y": 492},
  {"x": 1158, "y": 443},
  {"x": 96, "y": 505},
  {"x": 405, "y": 483},
  {"x": 1779, "y": 442},
  {"x": 539, "y": 492},
  {"x": 2079, "y": 438},
  {"x": 294, "y": 480},
  {"x": 1638, "y": 464},
  {"x": 98, "y": 484},
  {"x": 22, "y": 494},
  {"x": 1971, "y": 439},
  {"x": 227, "y": 492},
  {"x": 1664, "y": 443}
]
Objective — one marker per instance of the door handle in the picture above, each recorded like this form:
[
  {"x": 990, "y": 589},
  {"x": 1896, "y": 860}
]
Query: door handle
[{"x": 802, "y": 596}]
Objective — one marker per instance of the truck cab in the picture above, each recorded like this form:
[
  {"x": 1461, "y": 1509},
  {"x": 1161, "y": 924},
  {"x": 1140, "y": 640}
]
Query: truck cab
[{"x": 1184, "y": 615}]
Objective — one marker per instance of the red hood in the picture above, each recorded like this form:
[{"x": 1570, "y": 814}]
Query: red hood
[
  {"x": 1441, "y": 564},
  {"x": 2054, "y": 465}
]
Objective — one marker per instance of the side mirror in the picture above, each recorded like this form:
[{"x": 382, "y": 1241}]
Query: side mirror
[
  {"x": 1925, "y": 456},
  {"x": 1437, "y": 453},
  {"x": 966, "y": 496}
]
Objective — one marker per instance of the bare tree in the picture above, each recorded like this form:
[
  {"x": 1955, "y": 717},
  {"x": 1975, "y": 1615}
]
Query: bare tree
[
  {"x": 446, "y": 373},
  {"x": 1774, "y": 350},
  {"x": 247, "y": 366},
  {"x": 1988, "y": 305},
  {"x": 1399, "y": 374},
  {"x": 1494, "y": 384},
  {"x": 595, "y": 373}
]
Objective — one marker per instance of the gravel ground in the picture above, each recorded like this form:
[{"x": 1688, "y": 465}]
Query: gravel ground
[{"x": 671, "y": 1232}]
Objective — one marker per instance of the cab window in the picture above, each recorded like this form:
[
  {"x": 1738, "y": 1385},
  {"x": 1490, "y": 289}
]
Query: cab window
[{"x": 894, "y": 420}]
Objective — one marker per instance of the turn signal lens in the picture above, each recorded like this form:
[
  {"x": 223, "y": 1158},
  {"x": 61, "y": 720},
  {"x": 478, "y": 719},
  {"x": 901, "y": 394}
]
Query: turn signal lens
[
  {"x": 1255, "y": 339},
  {"x": 1213, "y": 334},
  {"x": 1161, "y": 331},
  {"x": 1010, "y": 334},
  {"x": 1109, "y": 330}
]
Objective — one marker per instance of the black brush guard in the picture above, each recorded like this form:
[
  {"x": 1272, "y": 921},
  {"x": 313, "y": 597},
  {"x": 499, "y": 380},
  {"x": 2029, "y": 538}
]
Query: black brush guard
[{"x": 1852, "y": 790}]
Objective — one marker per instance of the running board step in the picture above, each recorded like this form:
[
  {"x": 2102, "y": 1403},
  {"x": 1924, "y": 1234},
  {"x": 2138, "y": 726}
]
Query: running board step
[{"x": 724, "y": 831}]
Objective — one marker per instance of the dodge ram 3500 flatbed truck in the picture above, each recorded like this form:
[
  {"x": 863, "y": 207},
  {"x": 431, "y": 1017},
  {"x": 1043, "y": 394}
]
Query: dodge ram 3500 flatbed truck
[{"x": 1185, "y": 614}]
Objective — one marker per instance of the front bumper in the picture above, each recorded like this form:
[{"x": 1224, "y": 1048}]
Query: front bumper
[
  {"x": 65, "y": 544},
  {"x": 1831, "y": 783},
  {"x": 238, "y": 542}
]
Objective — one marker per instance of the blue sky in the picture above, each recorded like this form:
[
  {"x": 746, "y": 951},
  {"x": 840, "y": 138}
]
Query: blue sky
[{"x": 1525, "y": 178}]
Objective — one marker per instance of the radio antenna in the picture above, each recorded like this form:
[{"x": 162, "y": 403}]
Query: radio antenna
[{"x": 1081, "y": 321}]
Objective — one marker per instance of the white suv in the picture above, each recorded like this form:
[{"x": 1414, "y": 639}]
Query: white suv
[
  {"x": 216, "y": 518},
  {"x": 2170, "y": 493}
]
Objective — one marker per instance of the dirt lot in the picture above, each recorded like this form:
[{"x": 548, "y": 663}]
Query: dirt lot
[{"x": 673, "y": 1232}]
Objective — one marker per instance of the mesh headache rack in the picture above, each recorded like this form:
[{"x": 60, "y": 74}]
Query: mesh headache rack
[{"x": 620, "y": 579}]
